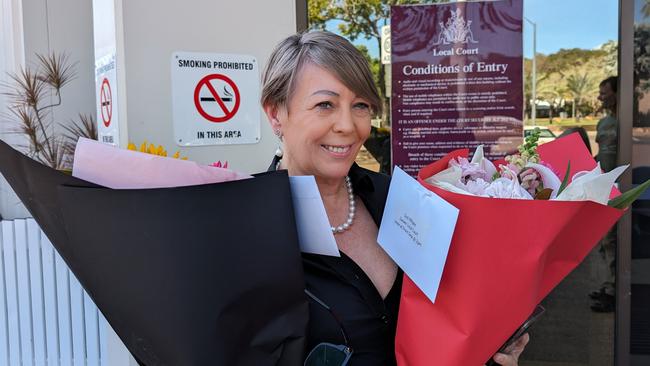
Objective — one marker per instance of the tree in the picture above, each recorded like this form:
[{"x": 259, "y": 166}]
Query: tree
[
  {"x": 579, "y": 84},
  {"x": 641, "y": 72},
  {"x": 611, "y": 56},
  {"x": 374, "y": 63},
  {"x": 359, "y": 19},
  {"x": 572, "y": 75},
  {"x": 567, "y": 59},
  {"x": 34, "y": 93}
]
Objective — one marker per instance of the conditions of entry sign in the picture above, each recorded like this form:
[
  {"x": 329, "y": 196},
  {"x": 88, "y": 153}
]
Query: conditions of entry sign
[{"x": 215, "y": 99}]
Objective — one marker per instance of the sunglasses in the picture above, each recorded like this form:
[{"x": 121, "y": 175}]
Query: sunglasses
[{"x": 329, "y": 354}]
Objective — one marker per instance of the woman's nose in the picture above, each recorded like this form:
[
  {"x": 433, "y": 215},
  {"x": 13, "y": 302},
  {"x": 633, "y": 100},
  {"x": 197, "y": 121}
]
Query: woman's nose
[{"x": 345, "y": 121}]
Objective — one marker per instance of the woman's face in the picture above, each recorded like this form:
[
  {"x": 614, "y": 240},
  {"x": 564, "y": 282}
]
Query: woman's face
[{"x": 323, "y": 125}]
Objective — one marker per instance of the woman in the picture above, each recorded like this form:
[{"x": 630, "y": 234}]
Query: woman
[{"x": 319, "y": 96}]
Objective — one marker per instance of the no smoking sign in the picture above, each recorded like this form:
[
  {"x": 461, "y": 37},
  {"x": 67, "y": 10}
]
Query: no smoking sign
[
  {"x": 215, "y": 99},
  {"x": 106, "y": 102}
]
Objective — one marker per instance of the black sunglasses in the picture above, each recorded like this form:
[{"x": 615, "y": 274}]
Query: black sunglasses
[{"x": 329, "y": 354}]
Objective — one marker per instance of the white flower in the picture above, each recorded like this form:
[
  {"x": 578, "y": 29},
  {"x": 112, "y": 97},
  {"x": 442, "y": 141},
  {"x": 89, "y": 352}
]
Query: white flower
[
  {"x": 507, "y": 188},
  {"x": 476, "y": 187},
  {"x": 483, "y": 163},
  {"x": 591, "y": 185}
]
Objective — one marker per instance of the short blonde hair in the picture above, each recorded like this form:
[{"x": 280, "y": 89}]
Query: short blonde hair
[{"x": 324, "y": 49}]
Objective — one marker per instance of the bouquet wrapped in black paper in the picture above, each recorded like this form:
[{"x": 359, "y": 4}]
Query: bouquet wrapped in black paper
[{"x": 199, "y": 275}]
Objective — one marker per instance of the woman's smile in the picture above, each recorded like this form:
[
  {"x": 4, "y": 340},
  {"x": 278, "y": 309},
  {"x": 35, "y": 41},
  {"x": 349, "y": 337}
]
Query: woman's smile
[{"x": 338, "y": 151}]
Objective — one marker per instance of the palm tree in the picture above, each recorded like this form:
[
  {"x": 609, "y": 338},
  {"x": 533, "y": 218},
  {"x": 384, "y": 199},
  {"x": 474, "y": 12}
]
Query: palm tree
[
  {"x": 579, "y": 84},
  {"x": 550, "y": 94}
]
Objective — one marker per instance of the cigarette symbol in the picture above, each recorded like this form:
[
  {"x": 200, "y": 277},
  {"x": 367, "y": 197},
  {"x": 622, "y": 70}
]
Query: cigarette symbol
[{"x": 227, "y": 97}]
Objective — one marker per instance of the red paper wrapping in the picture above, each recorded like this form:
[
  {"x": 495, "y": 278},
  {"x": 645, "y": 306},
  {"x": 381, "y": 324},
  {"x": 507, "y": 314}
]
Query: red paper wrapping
[{"x": 506, "y": 255}]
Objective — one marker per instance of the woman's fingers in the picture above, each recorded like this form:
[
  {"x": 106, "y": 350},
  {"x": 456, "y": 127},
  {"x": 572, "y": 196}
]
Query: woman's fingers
[
  {"x": 519, "y": 345},
  {"x": 505, "y": 359},
  {"x": 511, "y": 356}
]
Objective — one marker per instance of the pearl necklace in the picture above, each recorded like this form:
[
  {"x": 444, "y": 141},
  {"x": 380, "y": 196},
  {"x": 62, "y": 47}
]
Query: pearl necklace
[
  {"x": 351, "y": 206},
  {"x": 351, "y": 210}
]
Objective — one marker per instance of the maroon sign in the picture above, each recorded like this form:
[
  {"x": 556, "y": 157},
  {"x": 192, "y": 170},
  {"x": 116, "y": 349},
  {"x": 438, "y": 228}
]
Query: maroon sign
[{"x": 457, "y": 80}]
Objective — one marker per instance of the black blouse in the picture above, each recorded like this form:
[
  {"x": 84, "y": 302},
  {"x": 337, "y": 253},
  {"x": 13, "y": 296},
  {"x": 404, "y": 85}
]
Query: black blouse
[{"x": 369, "y": 321}]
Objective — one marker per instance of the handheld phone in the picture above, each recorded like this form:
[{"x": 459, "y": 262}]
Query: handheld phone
[{"x": 539, "y": 310}]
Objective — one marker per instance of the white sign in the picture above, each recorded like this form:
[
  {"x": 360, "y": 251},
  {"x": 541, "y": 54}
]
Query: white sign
[
  {"x": 105, "y": 72},
  {"x": 385, "y": 45},
  {"x": 416, "y": 231},
  {"x": 215, "y": 99},
  {"x": 106, "y": 99}
]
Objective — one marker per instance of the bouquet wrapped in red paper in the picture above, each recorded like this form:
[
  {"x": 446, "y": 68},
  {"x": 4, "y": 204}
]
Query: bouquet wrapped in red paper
[{"x": 506, "y": 253}]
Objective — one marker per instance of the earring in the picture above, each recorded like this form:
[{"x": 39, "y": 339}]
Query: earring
[{"x": 278, "y": 151}]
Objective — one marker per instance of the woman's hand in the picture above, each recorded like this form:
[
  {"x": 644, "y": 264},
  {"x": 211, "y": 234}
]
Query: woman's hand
[{"x": 511, "y": 356}]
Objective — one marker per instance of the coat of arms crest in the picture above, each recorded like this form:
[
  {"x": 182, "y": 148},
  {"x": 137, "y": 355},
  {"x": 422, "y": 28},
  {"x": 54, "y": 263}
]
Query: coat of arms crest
[{"x": 456, "y": 30}]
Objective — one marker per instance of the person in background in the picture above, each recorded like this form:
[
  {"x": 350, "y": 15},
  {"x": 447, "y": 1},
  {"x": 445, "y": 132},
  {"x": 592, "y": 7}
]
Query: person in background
[
  {"x": 607, "y": 127},
  {"x": 607, "y": 138}
]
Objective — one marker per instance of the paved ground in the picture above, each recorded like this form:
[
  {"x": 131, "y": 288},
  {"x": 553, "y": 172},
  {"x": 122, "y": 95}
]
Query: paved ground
[
  {"x": 364, "y": 159},
  {"x": 570, "y": 334}
]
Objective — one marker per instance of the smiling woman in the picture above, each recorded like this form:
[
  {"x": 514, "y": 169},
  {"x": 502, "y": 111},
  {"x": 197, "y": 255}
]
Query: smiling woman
[{"x": 319, "y": 96}]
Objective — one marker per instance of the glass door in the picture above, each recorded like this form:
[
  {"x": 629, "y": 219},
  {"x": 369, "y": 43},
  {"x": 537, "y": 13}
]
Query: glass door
[{"x": 640, "y": 230}]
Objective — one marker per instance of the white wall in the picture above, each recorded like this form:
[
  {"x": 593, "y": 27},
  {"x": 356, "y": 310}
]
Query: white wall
[
  {"x": 46, "y": 26},
  {"x": 64, "y": 26},
  {"x": 11, "y": 57},
  {"x": 153, "y": 30}
]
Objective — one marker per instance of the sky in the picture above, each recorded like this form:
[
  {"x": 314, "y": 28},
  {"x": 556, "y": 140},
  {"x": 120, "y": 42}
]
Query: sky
[
  {"x": 560, "y": 24},
  {"x": 569, "y": 24}
]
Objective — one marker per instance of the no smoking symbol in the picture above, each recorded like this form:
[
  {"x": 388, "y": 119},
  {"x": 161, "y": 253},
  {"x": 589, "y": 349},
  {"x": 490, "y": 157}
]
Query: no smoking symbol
[
  {"x": 106, "y": 102},
  {"x": 219, "y": 89}
]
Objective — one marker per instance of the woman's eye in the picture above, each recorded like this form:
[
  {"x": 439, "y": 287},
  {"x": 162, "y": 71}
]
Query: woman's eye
[
  {"x": 324, "y": 105},
  {"x": 362, "y": 106},
  {"x": 361, "y": 109}
]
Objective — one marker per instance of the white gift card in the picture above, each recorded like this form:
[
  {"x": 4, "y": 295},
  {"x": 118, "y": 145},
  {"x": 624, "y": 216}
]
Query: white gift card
[
  {"x": 416, "y": 231},
  {"x": 314, "y": 230}
]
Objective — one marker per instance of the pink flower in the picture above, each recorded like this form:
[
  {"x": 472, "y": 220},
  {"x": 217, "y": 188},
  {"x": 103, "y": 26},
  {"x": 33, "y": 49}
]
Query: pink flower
[
  {"x": 530, "y": 180},
  {"x": 218, "y": 164},
  {"x": 469, "y": 171},
  {"x": 476, "y": 187},
  {"x": 510, "y": 171},
  {"x": 547, "y": 177}
]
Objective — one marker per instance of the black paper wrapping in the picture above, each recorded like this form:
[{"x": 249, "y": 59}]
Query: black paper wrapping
[{"x": 201, "y": 275}]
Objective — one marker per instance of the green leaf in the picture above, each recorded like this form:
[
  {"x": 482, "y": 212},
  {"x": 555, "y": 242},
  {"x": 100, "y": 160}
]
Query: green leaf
[
  {"x": 626, "y": 199},
  {"x": 565, "y": 181}
]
